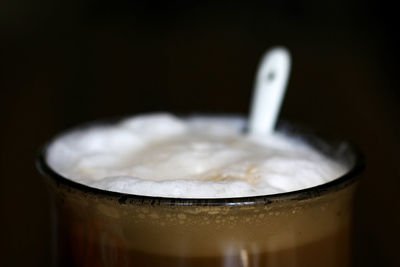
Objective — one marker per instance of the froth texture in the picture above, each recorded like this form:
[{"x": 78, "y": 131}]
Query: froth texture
[{"x": 199, "y": 157}]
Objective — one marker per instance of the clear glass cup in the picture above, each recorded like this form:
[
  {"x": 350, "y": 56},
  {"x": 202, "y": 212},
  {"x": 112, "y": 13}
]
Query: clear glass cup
[{"x": 309, "y": 227}]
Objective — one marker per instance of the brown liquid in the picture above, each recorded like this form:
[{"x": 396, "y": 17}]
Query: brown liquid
[
  {"x": 324, "y": 253},
  {"x": 331, "y": 251},
  {"x": 104, "y": 232}
]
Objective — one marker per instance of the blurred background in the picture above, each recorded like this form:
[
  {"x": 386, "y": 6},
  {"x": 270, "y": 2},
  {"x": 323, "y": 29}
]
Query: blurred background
[{"x": 67, "y": 62}]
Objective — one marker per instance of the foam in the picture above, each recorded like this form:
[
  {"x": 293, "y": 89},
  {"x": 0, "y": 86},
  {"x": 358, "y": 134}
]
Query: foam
[{"x": 200, "y": 157}]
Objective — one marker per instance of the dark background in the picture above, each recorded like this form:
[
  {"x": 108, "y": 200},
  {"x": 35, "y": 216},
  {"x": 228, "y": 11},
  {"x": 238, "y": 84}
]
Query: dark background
[{"x": 64, "y": 63}]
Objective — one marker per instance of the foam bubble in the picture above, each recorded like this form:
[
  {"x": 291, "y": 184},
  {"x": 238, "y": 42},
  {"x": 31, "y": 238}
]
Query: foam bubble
[{"x": 200, "y": 157}]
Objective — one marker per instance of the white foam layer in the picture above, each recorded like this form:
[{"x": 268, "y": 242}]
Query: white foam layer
[{"x": 203, "y": 157}]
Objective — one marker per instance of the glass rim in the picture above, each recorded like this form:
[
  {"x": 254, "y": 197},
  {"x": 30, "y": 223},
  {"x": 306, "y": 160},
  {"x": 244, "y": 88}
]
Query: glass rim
[{"x": 349, "y": 177}]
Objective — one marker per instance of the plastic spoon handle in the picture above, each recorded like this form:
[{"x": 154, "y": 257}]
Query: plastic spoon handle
[{"x": 270, "y": 87}]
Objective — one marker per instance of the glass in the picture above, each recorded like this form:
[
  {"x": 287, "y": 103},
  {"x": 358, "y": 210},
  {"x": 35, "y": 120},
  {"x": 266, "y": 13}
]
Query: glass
[{"x": 309, "y": 227}]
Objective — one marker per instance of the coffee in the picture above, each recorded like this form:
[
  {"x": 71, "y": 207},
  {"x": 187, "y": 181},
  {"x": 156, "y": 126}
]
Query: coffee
[
  {"x": 307, "y": 227},
  {"x": 145, "y": 234},
  {"x": 199, "y": 157}
]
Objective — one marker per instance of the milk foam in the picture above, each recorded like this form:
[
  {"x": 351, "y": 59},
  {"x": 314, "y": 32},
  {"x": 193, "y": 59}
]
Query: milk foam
[{"x": 199, "y": 157}]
